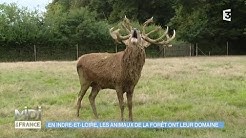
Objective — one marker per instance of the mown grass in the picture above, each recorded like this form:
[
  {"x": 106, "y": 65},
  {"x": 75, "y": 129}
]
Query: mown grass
[{"x": 170, "y": 89}]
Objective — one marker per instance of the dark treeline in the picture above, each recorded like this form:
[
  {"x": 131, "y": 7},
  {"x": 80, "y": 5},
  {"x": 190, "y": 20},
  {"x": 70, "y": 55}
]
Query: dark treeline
[{"x": 85, "y": 23}]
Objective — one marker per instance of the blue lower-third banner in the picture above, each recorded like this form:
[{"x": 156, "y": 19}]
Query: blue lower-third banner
[{"x": 134, "y": 124}]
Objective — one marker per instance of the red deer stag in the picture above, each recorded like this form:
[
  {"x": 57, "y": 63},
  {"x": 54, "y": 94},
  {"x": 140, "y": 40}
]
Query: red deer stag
[{"x": 120, "y": 71}]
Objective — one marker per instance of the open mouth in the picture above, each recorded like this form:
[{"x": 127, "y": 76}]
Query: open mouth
[{"x": 134, "y": 35}]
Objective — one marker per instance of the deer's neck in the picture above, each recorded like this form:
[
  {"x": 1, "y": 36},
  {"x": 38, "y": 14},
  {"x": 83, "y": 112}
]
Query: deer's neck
[{"x": 132, "y": 64}]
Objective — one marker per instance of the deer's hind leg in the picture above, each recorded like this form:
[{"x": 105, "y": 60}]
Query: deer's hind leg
[
  {"x": 94, "y": 91},
  {"x": 84, "y": 87}
]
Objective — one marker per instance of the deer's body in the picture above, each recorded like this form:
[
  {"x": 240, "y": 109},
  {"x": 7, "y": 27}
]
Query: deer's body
[
  {"x": 112, "y": 70},
  {"x": 120, "y": 71},
  {"x": 102, "y": 69}
]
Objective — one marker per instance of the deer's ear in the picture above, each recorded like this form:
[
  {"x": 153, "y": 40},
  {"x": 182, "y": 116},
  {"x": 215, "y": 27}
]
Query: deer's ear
[
  {"x": 126, "y": 42},
  {"x": 145, "y": 43}
]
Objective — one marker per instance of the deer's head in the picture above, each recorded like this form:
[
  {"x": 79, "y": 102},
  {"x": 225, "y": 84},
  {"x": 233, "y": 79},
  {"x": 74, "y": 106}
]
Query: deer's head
[{"x": 141, "y": 39}]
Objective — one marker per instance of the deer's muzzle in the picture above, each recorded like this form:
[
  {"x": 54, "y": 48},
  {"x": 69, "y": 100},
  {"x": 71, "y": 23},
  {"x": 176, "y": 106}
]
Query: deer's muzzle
[{"x": 134, "y": 34}]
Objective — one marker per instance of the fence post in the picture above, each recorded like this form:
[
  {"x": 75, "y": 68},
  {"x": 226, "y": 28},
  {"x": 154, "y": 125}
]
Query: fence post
[
  {"x": 116, "y": 48},
  {"x": 164, "y": 51},
  {"x": 196, "y": 49},
  {"x": 35, "y": 52},
  {"x": 77, "y": 50},
  {"x": 190, "y": 49},
  {"x": 209, "y": 53},
  {"x": 227, "y": 48}
]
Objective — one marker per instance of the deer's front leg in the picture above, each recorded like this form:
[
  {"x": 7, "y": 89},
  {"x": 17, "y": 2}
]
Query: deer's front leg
[
  {"x": 129, "y": 103},
  {"x": 121, "y": 102}
]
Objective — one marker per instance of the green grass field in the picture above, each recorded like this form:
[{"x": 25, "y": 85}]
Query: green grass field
[{"x": 170, "y": 89}]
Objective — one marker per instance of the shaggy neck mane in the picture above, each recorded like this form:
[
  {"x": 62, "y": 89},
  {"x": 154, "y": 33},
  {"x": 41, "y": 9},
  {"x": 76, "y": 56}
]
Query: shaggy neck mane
[{"x": 132, "y": 63}]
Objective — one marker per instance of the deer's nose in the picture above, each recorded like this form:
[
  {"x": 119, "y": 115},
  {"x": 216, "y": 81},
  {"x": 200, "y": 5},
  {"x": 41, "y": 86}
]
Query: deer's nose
[{"x": 134, "y": 35}]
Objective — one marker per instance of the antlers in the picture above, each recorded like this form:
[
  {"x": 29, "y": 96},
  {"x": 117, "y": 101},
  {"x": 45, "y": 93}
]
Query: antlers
[
  {"x": 160, "y": 40},
  {"x": 128, "y": 27},
  {"x": 116, "y": 33}
]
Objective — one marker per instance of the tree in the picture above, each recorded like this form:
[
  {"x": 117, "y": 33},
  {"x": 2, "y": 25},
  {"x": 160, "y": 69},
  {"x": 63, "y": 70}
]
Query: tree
[
  {"x": 19, "y": 26},
  {"x": 115, "y": 10},
  {"x": 20, "y": 30},
  {"x": 77, "y": 26},
  {"x": 203, "y": 23}
]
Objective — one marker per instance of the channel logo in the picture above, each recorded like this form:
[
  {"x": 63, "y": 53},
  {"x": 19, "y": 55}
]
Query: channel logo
[
  {"x": 227, "y": 15},
  {"x": 28, "y": 118}
]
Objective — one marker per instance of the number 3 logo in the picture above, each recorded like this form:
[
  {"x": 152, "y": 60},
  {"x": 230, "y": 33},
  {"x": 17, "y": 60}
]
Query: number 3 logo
[{"x": 227, "y": 15}]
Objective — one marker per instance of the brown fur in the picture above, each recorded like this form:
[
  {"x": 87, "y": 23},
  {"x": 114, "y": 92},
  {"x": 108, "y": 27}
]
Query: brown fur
[{"x": 120, "y": 71}]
